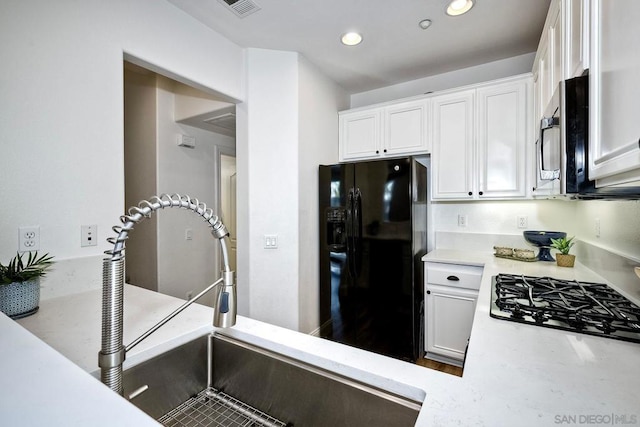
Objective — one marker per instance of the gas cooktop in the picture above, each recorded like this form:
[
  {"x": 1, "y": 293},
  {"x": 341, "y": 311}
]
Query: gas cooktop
[{"x": 588, "y": 308}]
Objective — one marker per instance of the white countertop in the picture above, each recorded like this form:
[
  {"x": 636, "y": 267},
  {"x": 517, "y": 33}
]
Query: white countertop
[{"x": 515, "y": 374}]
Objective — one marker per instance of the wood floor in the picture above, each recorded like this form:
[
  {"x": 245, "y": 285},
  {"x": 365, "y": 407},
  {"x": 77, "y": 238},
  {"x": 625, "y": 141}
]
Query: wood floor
[{"x": 442, "y": 367}]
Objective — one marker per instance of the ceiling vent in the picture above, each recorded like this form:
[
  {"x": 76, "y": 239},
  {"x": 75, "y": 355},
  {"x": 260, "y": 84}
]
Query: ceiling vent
[{"x": 241, "y": 8}]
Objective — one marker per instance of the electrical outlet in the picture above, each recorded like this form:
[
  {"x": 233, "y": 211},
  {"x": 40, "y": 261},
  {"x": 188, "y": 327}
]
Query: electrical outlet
[
  {"x": 188, "y": 234},
  {"x": 462, "y": 220},
  {"x": 523, "y": 221},
  {"x": 28, "y": 238},
  {"x": 597, "y": 227},
  {"x": 88, "y": 235}
]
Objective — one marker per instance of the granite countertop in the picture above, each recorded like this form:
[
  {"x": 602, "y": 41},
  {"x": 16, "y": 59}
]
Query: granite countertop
[{"x": 515, "y": 374}]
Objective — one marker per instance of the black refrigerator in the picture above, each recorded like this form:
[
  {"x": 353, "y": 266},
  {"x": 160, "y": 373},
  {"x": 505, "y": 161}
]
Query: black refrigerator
[{"x": 373, "y": 234}]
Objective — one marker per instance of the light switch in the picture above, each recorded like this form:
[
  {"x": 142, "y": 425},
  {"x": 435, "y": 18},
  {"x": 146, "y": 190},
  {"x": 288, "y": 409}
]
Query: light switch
[{"x": 271, "y": 241}]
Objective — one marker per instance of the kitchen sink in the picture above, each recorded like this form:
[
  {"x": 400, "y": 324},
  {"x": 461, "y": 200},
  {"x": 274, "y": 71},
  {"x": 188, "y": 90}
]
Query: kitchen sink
[{"x": 217, "y": 380}]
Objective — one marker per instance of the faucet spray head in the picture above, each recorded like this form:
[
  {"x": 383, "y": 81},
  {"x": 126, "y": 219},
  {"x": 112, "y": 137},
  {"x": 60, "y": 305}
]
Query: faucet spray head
[{"x": 225, "y": 309}]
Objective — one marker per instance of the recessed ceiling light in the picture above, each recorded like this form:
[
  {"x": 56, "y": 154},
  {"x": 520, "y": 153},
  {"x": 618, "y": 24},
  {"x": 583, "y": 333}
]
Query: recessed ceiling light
[
  {"x": 425, "y": 23},
  {"x": 458, "y": 7},
  {"x": 351, "y": 39}
]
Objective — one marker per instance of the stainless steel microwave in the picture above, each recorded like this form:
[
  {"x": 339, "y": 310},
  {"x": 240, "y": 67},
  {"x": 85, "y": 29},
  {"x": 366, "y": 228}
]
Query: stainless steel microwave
[
  {"x": 562, "y": 148},
  {"x": 562, "y": 145}
]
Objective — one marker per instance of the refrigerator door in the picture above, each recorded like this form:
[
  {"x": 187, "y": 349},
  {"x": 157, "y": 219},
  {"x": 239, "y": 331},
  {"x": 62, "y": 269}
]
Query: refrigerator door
[
  {"x": 383, "y": 250},
  {"x": 336, "y": 200},
  {"x": 370, "y": 282}
]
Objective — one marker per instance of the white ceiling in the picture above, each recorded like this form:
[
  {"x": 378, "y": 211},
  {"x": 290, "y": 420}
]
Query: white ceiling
[{"x": 395, "y": 49}]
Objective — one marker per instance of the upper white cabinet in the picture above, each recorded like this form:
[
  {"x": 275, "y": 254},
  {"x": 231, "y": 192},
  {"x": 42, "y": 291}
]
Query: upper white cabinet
[
  {"x": 480, "y": 142},
  {"x": 614, "y": 94},
  {"x": 563, "y": 51},
  {"x": 360, "y": 134},
  {"x": 577, "y": 37},
  {"x": 392, "y": 130},
  {"x": 453, "y": 127}
]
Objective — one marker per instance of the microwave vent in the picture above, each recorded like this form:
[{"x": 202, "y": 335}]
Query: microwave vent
[{"x": 241, "y": 8}]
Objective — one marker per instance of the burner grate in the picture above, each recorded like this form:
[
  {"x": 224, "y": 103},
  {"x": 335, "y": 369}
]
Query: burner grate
[{"x": 590, "y": 308}]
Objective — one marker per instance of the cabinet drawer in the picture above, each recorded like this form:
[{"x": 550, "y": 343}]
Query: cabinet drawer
[{"x": 454, "y": 275}]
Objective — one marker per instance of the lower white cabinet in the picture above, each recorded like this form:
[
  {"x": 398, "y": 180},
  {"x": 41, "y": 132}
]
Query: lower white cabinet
[{"x": 451, "y": 293}]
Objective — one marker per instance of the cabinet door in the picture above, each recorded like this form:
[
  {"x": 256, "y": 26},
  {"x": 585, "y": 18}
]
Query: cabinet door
[
  {"x": 405, "y": 128},
  {"x": 577, "y": 31},
  {"x": 501, "y": 139},
  {"x": 556, "y": 44},
  {"x": 614, "y": 91},
  {"x": 360, "y": 135},
  {"x": 449, "y": 318},
  {"x": 453, "y": 143}
]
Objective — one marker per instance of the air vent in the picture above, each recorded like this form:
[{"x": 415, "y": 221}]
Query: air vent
[{"x": 241, "y": 8}]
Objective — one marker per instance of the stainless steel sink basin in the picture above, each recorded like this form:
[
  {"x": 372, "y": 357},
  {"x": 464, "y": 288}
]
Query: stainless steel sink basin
[{"x": 247, "y": 378}]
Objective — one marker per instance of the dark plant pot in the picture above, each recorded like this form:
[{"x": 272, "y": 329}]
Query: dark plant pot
[
  {"x": 565, "y": 260},
  {"x": 20, "y": 299}
]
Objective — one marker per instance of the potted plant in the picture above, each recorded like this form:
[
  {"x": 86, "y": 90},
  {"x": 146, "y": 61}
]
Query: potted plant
[
  {"x": 564, "y": 245},
  {"x": 20, "y": 284}
]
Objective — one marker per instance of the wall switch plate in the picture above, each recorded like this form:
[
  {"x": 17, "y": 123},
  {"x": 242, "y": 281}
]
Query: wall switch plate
[
  {"x": 29, "y": 238},
  {"x": 271, "y": 241},
  {"x": 523, "y": 221},
  {"x": 88, "y": 235}
]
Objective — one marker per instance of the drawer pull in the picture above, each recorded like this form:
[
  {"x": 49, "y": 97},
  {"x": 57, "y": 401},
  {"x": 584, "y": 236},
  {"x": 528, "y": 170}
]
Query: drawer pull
[{"x": 453, "y": 278}]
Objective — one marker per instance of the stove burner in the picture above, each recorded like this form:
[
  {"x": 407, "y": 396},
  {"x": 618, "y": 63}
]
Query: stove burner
[{"x": 589, "y": 308}]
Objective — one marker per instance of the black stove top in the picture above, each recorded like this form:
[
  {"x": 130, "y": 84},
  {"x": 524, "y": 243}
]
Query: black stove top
[{"x": 589, "y": 308}]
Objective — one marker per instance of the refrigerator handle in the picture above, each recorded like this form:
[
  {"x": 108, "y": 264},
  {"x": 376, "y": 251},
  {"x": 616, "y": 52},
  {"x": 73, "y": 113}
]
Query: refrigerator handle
[
  {"x": 357, "y": 232},
  {"x": 350, "y": 235}
]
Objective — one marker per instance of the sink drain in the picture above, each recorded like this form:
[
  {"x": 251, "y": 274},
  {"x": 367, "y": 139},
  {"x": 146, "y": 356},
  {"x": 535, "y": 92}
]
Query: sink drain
[{"x": 214, "y": 408}]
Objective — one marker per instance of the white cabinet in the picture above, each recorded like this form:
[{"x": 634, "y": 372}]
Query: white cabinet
[
  {"x": 614, "y": 133},
  {"x": 451, "y": 293},
  {"x": 563, "y": 51},
  {"x": 480, "y": 142},
  {"x": 393, "y": 130},
  {"x": 360, "y": 134},
  {"x": 452, "y": 173},
  {"x": 577, "y": 37}
]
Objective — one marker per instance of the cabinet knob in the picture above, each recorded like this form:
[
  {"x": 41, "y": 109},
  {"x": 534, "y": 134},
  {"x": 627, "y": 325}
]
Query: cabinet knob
[
  {"x": 480, "y": 193},
  {"x": 470, "y": 193},
  {"x": 453, "y": 278},
  {"x": 377, "y": 151},
  {"x": 428, "y": 292},
  {"x": 385, "y": 150}
]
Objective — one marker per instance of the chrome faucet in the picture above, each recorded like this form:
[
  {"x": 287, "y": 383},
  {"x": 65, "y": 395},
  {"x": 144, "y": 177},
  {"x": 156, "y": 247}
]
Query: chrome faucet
[{"x": 113, "y": 352}]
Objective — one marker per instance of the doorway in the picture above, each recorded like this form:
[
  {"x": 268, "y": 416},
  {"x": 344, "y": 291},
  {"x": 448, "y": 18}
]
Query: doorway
[
  {"x": 228, "y": 205},
  {"x": 172, "y": 252}
]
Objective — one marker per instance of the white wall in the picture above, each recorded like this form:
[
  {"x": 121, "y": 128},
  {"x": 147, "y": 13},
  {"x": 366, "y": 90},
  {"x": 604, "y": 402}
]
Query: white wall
[
  {"x": 291, "y": 126},
  {"x": 619, "y": 221},
  {"x": 61, "y": 97},
  {"x": 465, "y": 76},
  {"x": 185, "y": 266},
  {"x": 140, "y": 152},
  {"x": 619, "y": 225},
  {"x": 267, "y": 162},
  {"x": 320, "y": 99}
]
